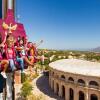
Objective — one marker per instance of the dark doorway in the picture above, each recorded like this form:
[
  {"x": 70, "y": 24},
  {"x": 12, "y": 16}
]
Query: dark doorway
[
  {"x": 81, "y": 96},
  {"x": 63, "y": 91},
  {"x": 71, "y": 94},
  {"x": 94, "y": 97},
  {"x": 57, "y": 86}
]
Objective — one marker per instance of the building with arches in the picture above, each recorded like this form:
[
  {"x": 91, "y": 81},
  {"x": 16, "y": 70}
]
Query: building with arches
[{"x": 74, "y": 79}]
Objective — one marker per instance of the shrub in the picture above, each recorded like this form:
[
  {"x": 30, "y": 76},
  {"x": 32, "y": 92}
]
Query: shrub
[
  {"x": 23, "y": 77},
  {"x": 34, "y": 97},
  {"x": 26, "y": 89}
]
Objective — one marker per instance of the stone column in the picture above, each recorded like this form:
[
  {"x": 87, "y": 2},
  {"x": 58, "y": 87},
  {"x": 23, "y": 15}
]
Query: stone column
[
  {"x": 51, "y": 84},
  {"x": 66, "y": 93},
  {"x": 87, "y": 95},
  {"x": 76, "y": 94},
  {"x": 49, "y": 80},
  {"x": 54, "y": 87},
  {"x": 87, "y": 92},
  {"x": 60, "y": 90}
]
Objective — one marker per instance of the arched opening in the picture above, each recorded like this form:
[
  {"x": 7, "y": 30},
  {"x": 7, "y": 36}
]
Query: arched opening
[
  {"x": 57, "y": 88},
  {"x": 71, "y": 94},
  {"x": 70, "y": 79},
  {"x": 94, "y": 97},
  {"x": 81, "y": 95},
  {"x": 81, "y": 82},
  {"x": 63, "y": 91},
  {"x": 52, "y": 73},
  {"x": 93, "y": 83},
  {"x": 62, "y": 77}
]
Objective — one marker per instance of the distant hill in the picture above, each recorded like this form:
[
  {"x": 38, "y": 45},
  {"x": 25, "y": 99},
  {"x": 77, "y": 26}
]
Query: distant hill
[{"x": 96, "y": 49}]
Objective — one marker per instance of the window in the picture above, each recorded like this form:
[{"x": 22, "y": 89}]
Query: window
[
  {"x": 62, "y": 76},
  {"x": 63, "y": 91},
  {"x": 81, "y": 95},
  {"x": 57, "y": 86},
  {"x": 81, "y": 82},
  {"x": 93, "y": 97},
  {"x": 93, "y": 83},
  {"x": 71, "y": 94},
  {"x": 70, "y": 79},
  {"x": 52, "y": 73}
]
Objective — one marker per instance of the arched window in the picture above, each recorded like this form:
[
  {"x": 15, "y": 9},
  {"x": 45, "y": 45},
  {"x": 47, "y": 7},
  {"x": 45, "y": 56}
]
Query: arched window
[
  {"x": 62, "y": 77},
  {"x": 71, "y": 94},
  {"x": 81, "y": 95},
  {"x": 94, "y": 97},
  {"x": 93, "y": 83},
  {"x": 81, "y": 82},
  {"x": 52, "y": 73},
  {"x": 57, "y": 88},
  {"x": 70, "y": 79},
  {"x": 63, "y": 91}
]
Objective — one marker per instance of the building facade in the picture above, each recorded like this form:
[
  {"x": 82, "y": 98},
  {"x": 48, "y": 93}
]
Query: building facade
[{"x": 73, "y": 85}]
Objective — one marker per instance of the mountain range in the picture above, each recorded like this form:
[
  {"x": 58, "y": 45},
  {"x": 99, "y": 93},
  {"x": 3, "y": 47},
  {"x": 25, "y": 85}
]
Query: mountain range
[{"x": 97, "y": 49}]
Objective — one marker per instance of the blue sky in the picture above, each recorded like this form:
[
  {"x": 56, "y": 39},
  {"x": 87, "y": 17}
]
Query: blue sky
[{"x": 62, "y": 24}]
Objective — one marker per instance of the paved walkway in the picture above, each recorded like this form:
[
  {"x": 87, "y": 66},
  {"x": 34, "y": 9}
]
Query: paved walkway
[{"x": 41, "y": 87}]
